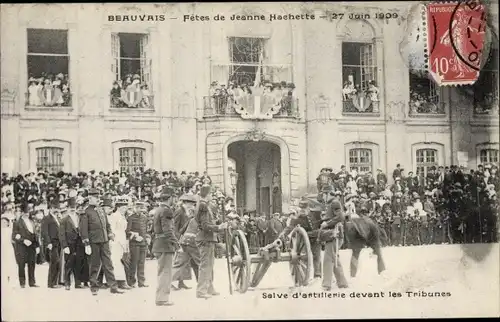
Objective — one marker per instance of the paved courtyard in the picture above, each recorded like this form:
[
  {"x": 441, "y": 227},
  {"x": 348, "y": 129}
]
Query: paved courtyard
[{"x": 436, "y": 268}]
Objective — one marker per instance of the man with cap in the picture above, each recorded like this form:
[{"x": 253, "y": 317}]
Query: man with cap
[
  {"x": 329, "y": 235},
  {"x": 164, "y": 246},
  {"x": 188, "y": 255},
  {"x": 119, "y": 244},
  {"x": 27, "y": 247},
  {"x": 206, "y": 239},
  {"x": 182, "y": 216},
  {"x": 137, "y": 235},
  {"x": 96, "y": 234},
  {"x": 50, "y": 236},
  {"x": 72, "y": 246}
]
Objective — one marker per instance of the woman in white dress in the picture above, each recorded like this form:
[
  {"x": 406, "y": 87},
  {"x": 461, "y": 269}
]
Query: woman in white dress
[{"x": 119, "y": 245}]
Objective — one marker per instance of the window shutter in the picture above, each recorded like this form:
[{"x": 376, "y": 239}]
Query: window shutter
[
  {"x": 145, "y": 47},
  {"x": 367, "y": 65},
  {"x": 115, "y": 53}
]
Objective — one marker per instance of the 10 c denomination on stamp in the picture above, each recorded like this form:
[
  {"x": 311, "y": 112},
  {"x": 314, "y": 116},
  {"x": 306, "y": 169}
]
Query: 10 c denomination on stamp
[{"x": 456, "y": 34}]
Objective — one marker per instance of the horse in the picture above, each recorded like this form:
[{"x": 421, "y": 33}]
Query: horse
[{"x": 358, "y": 232}]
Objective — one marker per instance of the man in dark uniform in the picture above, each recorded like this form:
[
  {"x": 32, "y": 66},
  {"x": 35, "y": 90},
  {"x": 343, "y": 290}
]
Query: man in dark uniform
[
  {"x": 137, "y": 235},
  {"x": 189, "y": 255},
  {"x": 328, "y": 234},
  {"x": 182, "y": 216},
  {"x": 50, "y": 236},
  {"x": 164, "y": 246},
  {"x": 206, "y": 240},
  {"x": 96, "y": 233}
]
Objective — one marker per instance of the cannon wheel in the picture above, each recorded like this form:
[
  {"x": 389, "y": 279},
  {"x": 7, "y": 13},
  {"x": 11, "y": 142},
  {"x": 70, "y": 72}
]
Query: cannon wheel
[
  {"x": 301, "y": 259},
  {"x": 240, "y": 261}
]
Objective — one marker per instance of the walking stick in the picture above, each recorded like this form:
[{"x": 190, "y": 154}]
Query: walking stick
[{"x": 229, "y": 273}]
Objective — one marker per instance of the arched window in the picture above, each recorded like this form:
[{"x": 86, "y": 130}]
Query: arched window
[
  {"x": 426, "y": 158},
  {"x": 488, "y": 156},
  {"x": 132, "y": 159},
  {"x": 360, "y": 160},
  {"x": 49, "y": 159}
]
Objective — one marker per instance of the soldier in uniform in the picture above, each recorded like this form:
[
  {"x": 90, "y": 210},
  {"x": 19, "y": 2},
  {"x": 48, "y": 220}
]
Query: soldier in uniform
[
  {"x": 188, "y": 255},
  {"x": 164, "y": 246},
  {"x": 206, "y": 239},
  {"x": 182, "y": 217},
  {"x": 96, "y": 232},
  {"x": 137, "y": 235},
  {"x": 328, "y": 234}
]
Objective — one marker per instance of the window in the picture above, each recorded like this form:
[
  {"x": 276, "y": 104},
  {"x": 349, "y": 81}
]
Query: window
[
  {"x": 359, "y": 73},
  {"x": 49, "y": 159},
  {"x": 132, "y": 159},
  {"x": 48, "y": 68},
  {"x": 486, "y": 87},
  {"x": 131, "y": 56},
  {"x": 488, "y": 156},
  {"x": 360, "y": 160},
  {"x": 424, "y": 96},
  {"x": 426, "y": 158},
  {"x": 247, "y": 56}
]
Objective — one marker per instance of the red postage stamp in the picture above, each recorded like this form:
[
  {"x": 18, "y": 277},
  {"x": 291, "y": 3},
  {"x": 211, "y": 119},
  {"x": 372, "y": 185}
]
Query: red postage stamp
[{"x": 455, "y": 40}]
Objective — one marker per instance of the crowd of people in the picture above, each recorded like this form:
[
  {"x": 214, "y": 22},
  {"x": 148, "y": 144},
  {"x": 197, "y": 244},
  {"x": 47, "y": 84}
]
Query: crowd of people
[
  {"x": 357, "y": 100},
  {"x": 447, "y": 205},
  {"x": 101, "y": 227},
  {"x": 279, "y": 94},
  {"x": 49, "y": 90},
  {"x": 130, "y": 92},
  {"x": 421, "y": 102}
]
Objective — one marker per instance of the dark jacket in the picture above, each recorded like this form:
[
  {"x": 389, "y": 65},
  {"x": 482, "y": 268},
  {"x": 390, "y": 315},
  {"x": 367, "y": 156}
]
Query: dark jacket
[
  {"x": 163, "y": 227},
  {"x": 50, "y": 230},
  {"x": 206, "y": 220},
  {"x": 137, "y": 223},
  {"x": 19, "y": 227},
  {"x": 94, "y": 226},
  {"x": 180, "y": 220},
  {"x": 69, "y": 234},
  {"x": 310, "y": 222}
]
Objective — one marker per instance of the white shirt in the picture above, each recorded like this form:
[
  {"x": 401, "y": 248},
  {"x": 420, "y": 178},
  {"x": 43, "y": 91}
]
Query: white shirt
[{"x": 74, "y": 218}]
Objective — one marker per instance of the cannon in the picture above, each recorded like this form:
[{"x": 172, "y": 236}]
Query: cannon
[{"x": 248, "y": 270}]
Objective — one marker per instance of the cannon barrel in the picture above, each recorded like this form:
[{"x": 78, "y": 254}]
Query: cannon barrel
[{"x": 274, "y": 245}]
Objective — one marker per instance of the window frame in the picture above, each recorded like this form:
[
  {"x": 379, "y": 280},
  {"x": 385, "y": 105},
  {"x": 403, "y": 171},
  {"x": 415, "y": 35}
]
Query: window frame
[
  {"x": 133, "y": 165},
  {"x": 488, "y": 151},
  {"x": 144, "y": 59},
  {"x": 426, "y": 165},
  {"x": 359, "y": 165},
  {"x": 51, "y": 152}
]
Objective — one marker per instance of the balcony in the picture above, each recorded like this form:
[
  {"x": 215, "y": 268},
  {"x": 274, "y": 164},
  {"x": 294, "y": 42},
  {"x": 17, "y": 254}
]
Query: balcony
[
  {"x": 136, "y": 102},
  {"x": 422, "y": 108},
  {"x": 251, "y": 107},
  {"x": 487, "y": 105},
  {"x": 53, "y": 101}
]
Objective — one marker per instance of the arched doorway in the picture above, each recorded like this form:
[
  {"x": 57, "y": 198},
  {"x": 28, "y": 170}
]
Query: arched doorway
[{"x": 261, "y": 185}]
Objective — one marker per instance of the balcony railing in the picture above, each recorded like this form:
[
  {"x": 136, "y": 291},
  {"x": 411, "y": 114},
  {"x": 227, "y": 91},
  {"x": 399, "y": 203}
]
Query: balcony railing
[
  {"x": 425, "y": 108},
  {"x": 252, "y": 106},
  {"x": 41, "y": 101},
  {"x": 487, "y": 105},
  {"x": 143, "y": 102},
  {"x": 356, "y": 106}
]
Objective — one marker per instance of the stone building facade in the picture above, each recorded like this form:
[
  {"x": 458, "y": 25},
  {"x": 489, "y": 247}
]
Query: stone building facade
[{"x": 276, "y": 154}]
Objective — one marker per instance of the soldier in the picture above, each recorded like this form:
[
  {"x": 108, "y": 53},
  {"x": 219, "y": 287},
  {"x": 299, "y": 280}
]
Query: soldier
[
  {"x": 137, "y": 235},
  {"x": 328, "y": 234},
  {"x": 188, "y": 255},
  {"x": 96, "y": 232},
  {"x": 164, "y": 246},
  {"x": 182, "y": 217},
  {"x": 206, "y": 240}
]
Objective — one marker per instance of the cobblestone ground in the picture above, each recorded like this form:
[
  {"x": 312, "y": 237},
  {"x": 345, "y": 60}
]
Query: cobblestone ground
[{"x": 436, "y": 268}]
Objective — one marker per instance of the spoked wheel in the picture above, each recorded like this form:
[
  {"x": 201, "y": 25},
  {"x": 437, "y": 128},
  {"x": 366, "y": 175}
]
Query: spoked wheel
[
  {"x": 301, "y": 259},
  {"x": 240, "y": 261}
]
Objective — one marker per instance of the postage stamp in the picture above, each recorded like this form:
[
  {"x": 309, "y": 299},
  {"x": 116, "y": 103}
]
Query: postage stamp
[{"x": 456, "y": 33}]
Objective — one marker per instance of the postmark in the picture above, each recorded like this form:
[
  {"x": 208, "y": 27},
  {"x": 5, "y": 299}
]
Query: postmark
[{"x": 455, "y": 41}]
